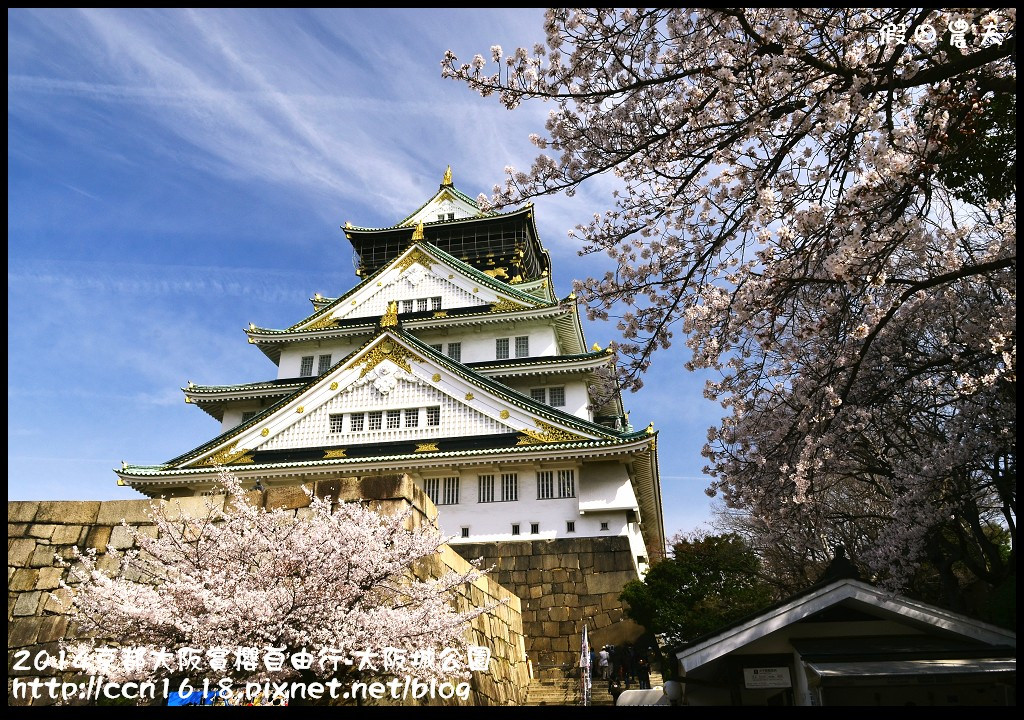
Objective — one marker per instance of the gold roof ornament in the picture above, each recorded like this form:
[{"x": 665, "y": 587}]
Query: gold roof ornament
[
  {"x": 596, "y": 348},
  {"x": 390, "y": 318},
  {"x": 650, "y": 429},
  {"x": 447, "y": 179},
  {"x": 348, "y": 224},
  {"x": 417, "y": 234}
]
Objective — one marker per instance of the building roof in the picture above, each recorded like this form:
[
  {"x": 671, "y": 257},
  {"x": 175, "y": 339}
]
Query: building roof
[{"x": 850, "y": 593}]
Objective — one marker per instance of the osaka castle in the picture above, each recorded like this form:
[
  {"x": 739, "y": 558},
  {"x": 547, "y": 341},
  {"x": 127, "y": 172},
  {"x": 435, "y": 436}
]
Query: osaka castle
[{"x": 452, "y": 361}]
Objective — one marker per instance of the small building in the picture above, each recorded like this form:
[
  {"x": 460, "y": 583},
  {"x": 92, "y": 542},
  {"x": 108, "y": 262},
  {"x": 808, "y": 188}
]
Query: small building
[{"x": 846, "y": 642}]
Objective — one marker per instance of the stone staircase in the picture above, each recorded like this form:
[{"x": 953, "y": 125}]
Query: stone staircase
[{"x": 566, "y": 691}]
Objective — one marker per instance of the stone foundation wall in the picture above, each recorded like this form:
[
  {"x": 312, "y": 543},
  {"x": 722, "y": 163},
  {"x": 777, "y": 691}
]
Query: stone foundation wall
[
  {"x": 563, "y": 585},
  {"x": 38, "y": 530}
]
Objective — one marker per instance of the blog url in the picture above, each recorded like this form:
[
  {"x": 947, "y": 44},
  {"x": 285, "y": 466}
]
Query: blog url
[{"x": 99, "y": 688}]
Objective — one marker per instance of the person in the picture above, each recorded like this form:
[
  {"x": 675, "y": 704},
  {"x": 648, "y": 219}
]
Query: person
[
  {"x": 602, "y": 662},
  {"x": 593, "y": 662},
  {"x": 629, "y": 664},
  {"x": 643, "y": 672}
]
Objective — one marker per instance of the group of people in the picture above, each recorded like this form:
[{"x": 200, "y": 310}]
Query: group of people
[{"x": 621, "y": 666}]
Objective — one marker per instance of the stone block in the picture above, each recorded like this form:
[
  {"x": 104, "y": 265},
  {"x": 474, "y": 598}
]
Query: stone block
[
  {"x": 67, "y": 534},
  {"x": 49, "y": 578},
  {"x": 22, "y": 632},
  {"x": 98, "y": 537},
  {"x": 23, "y": 579},
  {"x": 27, "y": 603},
  {"x": 289, "y": 497},
  {"x": 67, "y": 511},
  {"x": 559, "y": 613},
  {"x": 57, "y": 601},
  {"x": 43, "y": 556},
  {"x": 120, "y": 537},
  {"x": 194, "y": 507},
  {"x": 19, "y": 551},
  {"x": 41, "y": 531},
  {"x": 22, "y": 511},
  {"x": 609, "y": 582},
  {"x": 52, "y": 628},
  {"x": 112, "y": 512}
]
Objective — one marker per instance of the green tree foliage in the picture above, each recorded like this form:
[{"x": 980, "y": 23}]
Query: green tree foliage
[{"x": 708, "y": 581}]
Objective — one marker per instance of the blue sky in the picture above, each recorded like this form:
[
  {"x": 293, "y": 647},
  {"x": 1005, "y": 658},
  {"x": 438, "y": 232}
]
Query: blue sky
[{"x": 174, "y": 175}]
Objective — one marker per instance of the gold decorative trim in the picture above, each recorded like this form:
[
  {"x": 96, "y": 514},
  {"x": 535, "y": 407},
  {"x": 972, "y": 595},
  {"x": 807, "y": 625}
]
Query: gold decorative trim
[
  {"x": 547, "y": 434},
  {"x": 504, "y": 305},
  {"x": 426, "y": 447},
  {"x": 469, "y": 396},
  {"x": 390, "y": 318},
  {"x": 436, "y": 377},
  {"x": 416, "y": 256},
  {"x": 353, "y": 302},
  {"x": 476, "y": 289},
  {"x": 228, "y": 456},
  {"x": 265, "y": 431},
  {"x": 324, "y": 322},
  {"x": 328, "y": 454},
  {"x": 503, "y": 414},
  {"x": 417, "y": 234},
  {"x": 299, "y": 409},
  {"x": 446, "y": 179},
  {"x": 385, "y": 350},
  {"x": 441, "y": 314},
  {"x": 334, "y": 386}
]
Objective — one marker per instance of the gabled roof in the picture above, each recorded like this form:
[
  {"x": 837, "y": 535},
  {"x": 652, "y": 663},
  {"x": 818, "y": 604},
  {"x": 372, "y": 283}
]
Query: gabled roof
[
  {"x": 553, "y": 423},
  {"x": 503, "y": 299},
  {"x": 850, "y": 593}
]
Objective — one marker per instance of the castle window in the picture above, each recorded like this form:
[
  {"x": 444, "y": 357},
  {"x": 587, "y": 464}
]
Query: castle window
[
  {"x": 556, "y": 396},
  {"x": 356, "y": 422},
  {"x": 534, "y": 528},
  {"x": 455, "y": 351},
  {"x": 545, "y": 485},
  {"x": 451, "y": 491},
  {"x": 604, "y": 526},
  {"x": 485, "y": 488},
  {"x": 465, "y": 532},
  {"x": 566, "y": 483},
  {"x": 439, "y": 348},
  {"x": 432, "y": 487},
  {"x": 515, "y": 528},
  {"x": 435, "y": 303},
  {"x": 407, "y": 306},
  {"x": 451, "y": 216},
  {"x": 337, "y": 423},
  {"x": 412, "y": 417},
  {"x": 570, "y": 526},
  {"x": 394, "y": 419},
  {"x": 306, "y": 368},
  {"x": 523, "y": 346},
  {"x": 421, "y": 305},
  {"x": 501, "y": 349},
  {"x": 440, "y": 217},
  {"x": 375, "y": 420},
  {"x": 509, "y": 487},
  {"x": 325, "y": 364},
  {"x": 434, "y": 415}
]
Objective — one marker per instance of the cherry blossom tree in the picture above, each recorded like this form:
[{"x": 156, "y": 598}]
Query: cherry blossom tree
[
  {"x": 822, "y": 202},
  {"x": 258, "y": 594}
]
